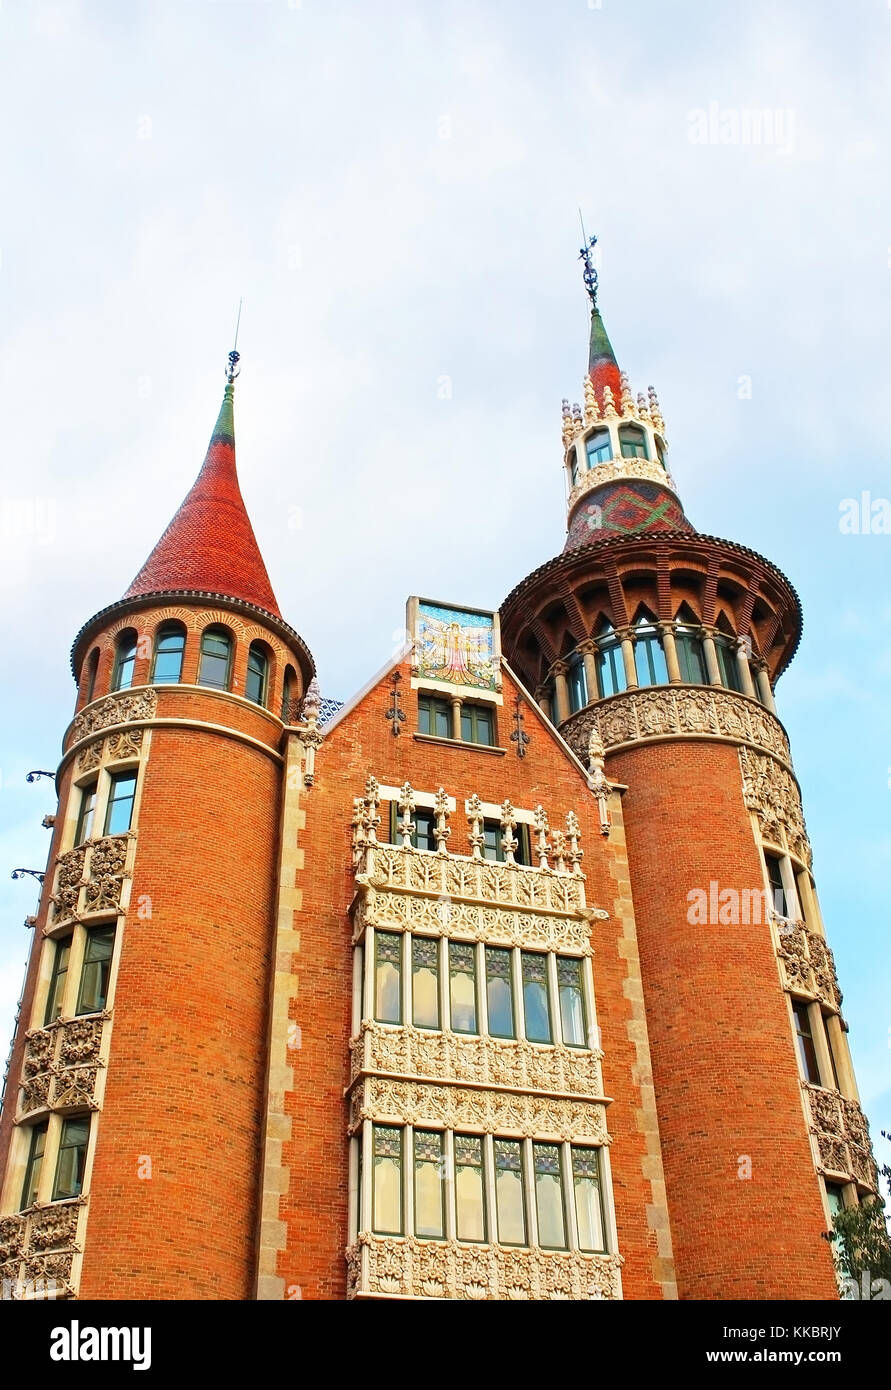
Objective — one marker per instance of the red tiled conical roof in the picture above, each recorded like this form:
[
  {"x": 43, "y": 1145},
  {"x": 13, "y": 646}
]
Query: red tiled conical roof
[{"x": 210, "y": 544}]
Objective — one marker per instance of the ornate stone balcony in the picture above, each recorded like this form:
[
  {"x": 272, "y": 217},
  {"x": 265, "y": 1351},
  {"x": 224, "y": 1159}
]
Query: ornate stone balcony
[
  {"x": 90, "y": 879},
  {"x": 842, "y": 1137},
  {"x": 124, "y": 707},
  {"x": 37, "y": 1249},
  {"x": 422, "y": 1054},
  {"x": 808, "y": 964},
  {"x": 648, "y": 469},
  {"x": 463, "y": 878},
  {"x": 397, "y": 1267},
  {"x": 61, "y": 1065}
]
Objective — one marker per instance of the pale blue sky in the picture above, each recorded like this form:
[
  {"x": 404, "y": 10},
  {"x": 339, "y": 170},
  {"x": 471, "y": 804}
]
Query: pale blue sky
[{"x": 392, "y": 187}]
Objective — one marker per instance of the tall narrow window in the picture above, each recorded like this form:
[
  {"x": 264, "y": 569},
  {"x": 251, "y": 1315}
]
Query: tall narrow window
[
  {"x": 93, "y": 992},
  {"x": 119, "y": 813},
  {"x": 86, "y": 811},
  {"x": 61, "y": 954},
  {"x": 386, "y": 1191},
  {"x": 778, "y": 900},
  {"x": 387, "y": 977},
  {"x": 577, "y": 681},
  {"x": 572, "y": 1001},
  {"x": 691, "y": 657},
  {"x": 288, "y": 689},
  {"x": 510, "y": 1200},
  {"x": 598, "y": 448},
  {"x": 462, "y": 986},
  {"x": 727, "y": 663},
  {"x": 832, "y": 1062},
  {"x": 805, "y": 1040},
  {"x": 429, "y": 1204},
  {"x": 170, "y": 644},
  {"x": 610, "y": 666},
  {"x": 477, "y": 725},
  {"x": 575, "y": 466},
  {"x": 633, "y": 442},
  {"x": 536, "y": 1002},
  {"x": 36, "y": 1150},
  {"x": 92, "y": 668},
  {"x": 549, "y": 1196},
  {"x": 470, "y": 1197},
  {"x": 500, "y": 993},
  {"x": 649, "y": 658},
  {"x": 72, "y": 1158},
  {"x": 257, "y": 674},
  {"x": 216, "y": 658},
  {"x": 425, "y": 981},
  {"x": 124, "y": 661},
  {"x": 434, "y": 717},
  {"x": 588, "y": 1195}
]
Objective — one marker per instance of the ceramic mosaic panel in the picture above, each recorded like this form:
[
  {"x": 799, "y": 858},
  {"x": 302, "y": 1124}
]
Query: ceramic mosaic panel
[{"x": 457, "y": 646}]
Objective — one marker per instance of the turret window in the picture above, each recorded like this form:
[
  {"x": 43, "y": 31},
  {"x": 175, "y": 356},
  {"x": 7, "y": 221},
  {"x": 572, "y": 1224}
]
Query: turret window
[
  {"x": 633, "y": 442},
  {"x": 778, "y": 899},
  {"x": 216, "y": 658},
  {"x": 93, "y": 992},
  {"x": 804, "y": 1038},
  {"x": 72, "y": 1158},
  {"x": 649, "y": 658},
  {"x": 92, "y": 668},
  {"x": 119, "y": 812},
  {"x": 599, "y": 448},
  {"x": 170, "y": 645},
  {"x": 727, "y": 663},
  {"x": 124, "y": 661},
  {"x": 36, "y": 1151},
  {"x": 577, "y": 682},
  {"x": 691, "y": 657},
  {"x": 610, "y": 666},
  {"x": 257, "y": 674},
  {"x": 85, "y": 814},
  {"x": 61, "y": 956}
]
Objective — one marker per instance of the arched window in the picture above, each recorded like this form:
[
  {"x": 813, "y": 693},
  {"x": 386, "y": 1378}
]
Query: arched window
[
  {"x": 633, "y": 442},
  {"x": 649, "y": 658},
  {"x": 170, "y": 644},
  {"x": 610, "y": 666},
  {"x": 688, "y": 642},
  {"x": 257, "y": 674},
  {"x": 124, "y": 661},
  {"x": 216, "y": 658},
  {"x": 578, "y": 685},
  {"x": 599, "y": 448},
  {"x": 90, "y": 670}
]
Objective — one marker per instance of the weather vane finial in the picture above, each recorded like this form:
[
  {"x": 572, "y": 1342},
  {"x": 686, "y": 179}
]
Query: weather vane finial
[
  {"x": 234, "y": 355},
  {"x": 586, "y": 254}
]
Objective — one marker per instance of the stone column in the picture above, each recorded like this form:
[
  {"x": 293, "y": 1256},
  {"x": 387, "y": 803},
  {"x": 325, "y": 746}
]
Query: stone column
[
  {"x": 764, "y": 689},
  {"x": 628, "y": 659},
  {"x": 745, "y": 670},
  {"x": 543, "y": 701},
  {"x": 561, "y": 691},
  {"x": 588, "y": 651},
  {"x": 711, "y": 659},
  {"x": 456, "y": 717},
  {"x": 669, "y": 646}
]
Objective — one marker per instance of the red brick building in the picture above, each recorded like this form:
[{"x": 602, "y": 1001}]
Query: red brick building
[{"x": 505, "y": 979}]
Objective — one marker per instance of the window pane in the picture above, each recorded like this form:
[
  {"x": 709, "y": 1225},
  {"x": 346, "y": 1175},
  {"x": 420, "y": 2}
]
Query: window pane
[
  {"x": 499, "y": 993},
  {"x": 611, "y": 670},
  {"x": 255, "y": 683},
  {"x": 572, "y": 1001},
  {"x": 462, "y": 977},
  {"x": 214, "y": 670},
  {"x": 35, "y": 1163},
  {"x": 777, "y": 888},
  {"x": 93, "y": 992},
  {"x": 85, "y": 814},
  {"x": 549, "y": 1196},
  {"x": 388, "y": 978},
  {"x": 423, "y": 836},
  {"x": 649, "y": 658},
  {"x": 72, "y": 1156},
  {"x": 578, "y": 685},
  {"x": 168, "y": 663},
  {"x": 599, "y": 449},
  {"x": 510, "y": 1202},
  {"x": 429, "y": 1214},
  {"x": 120, "y": 803},
  {"x": 492, "y": 834},
  {"x": 57, "y": 982},
  {"x": 124, "y": 664},
  {"x": 691, "y": 659},
  {"x": 425, "y": 981},
  {"x": 535, "y": 997},
  {"x": 466, "y": 725},
  {"x": 727, "y": 664},
  {"x": 806, "y": 1050},
  {"x": 469, "y": 1188},
  {"x": 483, "y": 732},
  {"x": 424, "y": 726},
  {"x": 387, "y": 1180},
  {"x": 588, "y": 1203}
]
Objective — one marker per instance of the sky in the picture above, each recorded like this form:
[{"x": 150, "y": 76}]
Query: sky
[{"x": 393, "y": 189}]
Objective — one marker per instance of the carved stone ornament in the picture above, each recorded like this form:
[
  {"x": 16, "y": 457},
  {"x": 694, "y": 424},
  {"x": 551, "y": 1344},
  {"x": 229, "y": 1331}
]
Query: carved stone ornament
[
  {"x": 396, "y": 1266},
  {"x": 121, "y": 708},
  {"x": 37, "y": 1250},
  {"x": 69, "y": 881},
  {"x": 842, "y": 1137},
  {"x": 601, "y": 473},
  {"x": 472, "y": 921},
  {"x": 772, "y": 793},
  {"x": 420, "y": 1053},
  {"x": 105, "y": 874},
  {"x": 544, "y": 1117},
  {"x": 808, "y": 965},
  {"x": 61, "y": 1065},
  {"x": 676, "y": 711}
]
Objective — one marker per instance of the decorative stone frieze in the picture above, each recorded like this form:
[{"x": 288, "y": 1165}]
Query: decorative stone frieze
[
  {"x": 476, "y": 880},
  {"x": 90, "y": 756},
  {"x": 771, "y": 791},
  {"x": 394, "y": 1266},
  {"x": 61, "y": 1064},
  {"x": 488, "y": 1112},
  {"x": 125, "y": 707},
  {"x": 842, "y": 1137},
  {"x": 808, "y": 964},
  {"x": 609, "y": 472},
  {"x": 90, "y": 878},
  {"x": 678, "y": 711},
  {"x": 37, "y": 1250},
  {"x": 408, "y": 1052},
  {"x": 471, "y": 921}
]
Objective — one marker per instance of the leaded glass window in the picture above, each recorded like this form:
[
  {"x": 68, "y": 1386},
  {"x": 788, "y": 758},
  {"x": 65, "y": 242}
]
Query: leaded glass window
[
  {"x": 536, "y": 1000},
  {"x": 72, "y": 1158},
  {"x": 500, "y": 993},
  {"x": 572, "y": 1001},
  {"x": 93, "y": 992},
  {"x": 387, "y": 977},
  {"x": 462, "y": 985},
  {"x": 549, "y": 1196},
  {"x": 386, "y": 1194},
  {"x": 588, "y": 1198},
  {"x": 425, "y": 981},
  {"x": 510, "y": 1198},
  {"x": 470, "y": 1188},
  {"x": 429, "y": 1205}
]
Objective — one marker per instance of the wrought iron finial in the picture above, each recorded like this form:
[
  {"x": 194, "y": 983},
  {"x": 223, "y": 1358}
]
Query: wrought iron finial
[
  {"x": 234, "y": 355},
  {"x": 586, "y": 254}
]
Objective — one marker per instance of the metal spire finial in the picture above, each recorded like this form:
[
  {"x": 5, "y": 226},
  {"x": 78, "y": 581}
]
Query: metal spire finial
[
  {"x": 586, "y": 254},
  {"x": 234, "y": 355}
]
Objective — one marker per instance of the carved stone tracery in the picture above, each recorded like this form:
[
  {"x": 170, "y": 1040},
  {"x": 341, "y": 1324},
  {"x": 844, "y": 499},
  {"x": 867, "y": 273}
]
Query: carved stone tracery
[
  {"x": 61, "y": 1064},
  {"x": 808, "y": 965},
  {"x": 37, "y": 1250},
  {"x": 386, "y": 1101},
  {"x": 842, "y": 1137}
]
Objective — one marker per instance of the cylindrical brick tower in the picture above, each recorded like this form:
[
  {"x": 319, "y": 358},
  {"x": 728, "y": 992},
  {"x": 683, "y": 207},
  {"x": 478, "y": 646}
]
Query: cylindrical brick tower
[
  {"x": 138, "y": 1079},
  {"x": 664, "y": 645}
]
